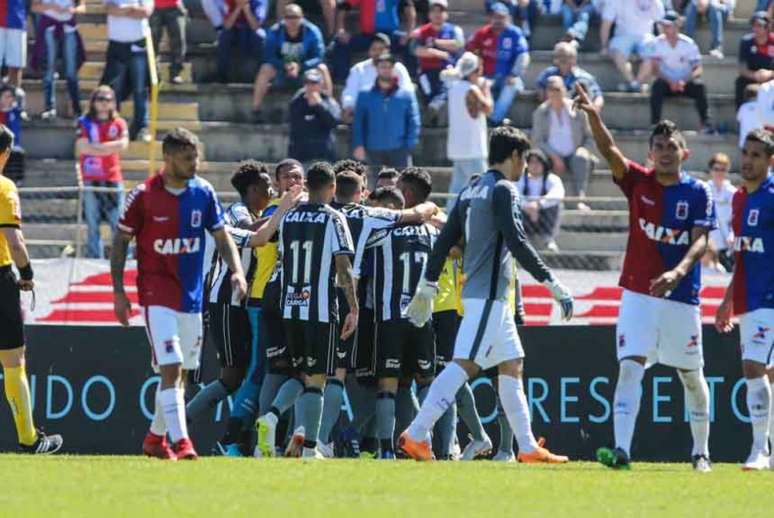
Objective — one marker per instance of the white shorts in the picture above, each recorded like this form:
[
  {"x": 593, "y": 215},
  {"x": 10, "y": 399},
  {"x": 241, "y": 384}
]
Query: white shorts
[
  {"x": 487, "y": 333},
  {"x": 13, "y": 47},
  {"x": 174, "y": 337},
  {"x": 627, "y": 45},
  {"x": 663, "y": 331},
  {"x": 756, "y": 333}
]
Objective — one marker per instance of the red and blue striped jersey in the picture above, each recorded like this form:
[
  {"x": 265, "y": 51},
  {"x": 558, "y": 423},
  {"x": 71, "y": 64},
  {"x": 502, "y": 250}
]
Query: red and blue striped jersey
[
  {"x": 661, "y": 219},
  {"x": 753, "y": 224},
  {"x": 498, "y": 50},
  {"x": 169, "y": 229},
  {"x": 13, "y": 14},
  {"x": 377, "y": 15}
]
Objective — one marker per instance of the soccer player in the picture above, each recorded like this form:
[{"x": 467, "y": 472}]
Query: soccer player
[
  {"x": 12, "y": 348},
  {"x": 167, "y": 215},
  {"x": 229, "y": 323},
  {"x": 670, "y": 216},
  {"x": 751, "y": 292},
  {"x": 491, "y": 204},
  {"x": 315, "y": 247}
]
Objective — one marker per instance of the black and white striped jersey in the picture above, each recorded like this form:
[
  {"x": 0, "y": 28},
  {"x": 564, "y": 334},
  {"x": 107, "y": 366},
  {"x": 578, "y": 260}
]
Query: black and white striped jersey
[
  {"x": 237, "y": 217},
  {"x": 399, "y": 263},
  {"x": 310, "y": 237}
]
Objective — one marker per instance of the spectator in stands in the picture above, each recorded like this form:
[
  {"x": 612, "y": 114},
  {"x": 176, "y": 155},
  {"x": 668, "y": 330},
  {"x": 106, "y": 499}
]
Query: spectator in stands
[
  {"x": 677, "y": 66},
  {"x": 437, "y": 45},
  {"x": 387, "y": 177},
  {"x": 126, "y": 63},
  {"x": 172, "y": 15},
  {"x": 576, "y": 18},
  {"x": 717, "y": 12},
  {"x": 313, "y": 117},
  {"x": 542, "y": 193},
  {"x": 293, "y": 46},
  {"x": 524, "y": 13},
  {"x": 722, "y": 238},
  {"x": 387, "y": 124},
  {"x": 376, "y": 16},
  {"x": 764, "y": 104},
  {"x": 634, "y": 21},
  {"x": 756, "y": 55},
  {"x": 312, "y": 7},
  {"x": 749, "y": 115},
  {"x": 566, "y": 66},
  {"x": 102, "y": 135},
  {"x": 58, "y": 36},
  {"x": 505, "y": 53},
  {"x": 564, "y": 135},
  {"x": 470, "y": 101},
  {"x": 239, "y": 23},
  {"x": 362, "y": 76},
  {"x": 13, "y": 35},
  {"x": 11, "y": 117}
]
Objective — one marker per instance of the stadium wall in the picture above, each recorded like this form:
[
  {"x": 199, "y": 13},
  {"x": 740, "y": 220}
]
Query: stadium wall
[{"x": 95, "y": 386}]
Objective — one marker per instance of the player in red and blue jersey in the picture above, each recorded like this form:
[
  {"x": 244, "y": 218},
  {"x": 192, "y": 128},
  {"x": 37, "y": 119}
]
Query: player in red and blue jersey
[
  {"x": 751, "y": 292},
  {"x": 670, "y": 216},
  {"x": 505, "y": 53},
  {"x": 167, "y": 216}
]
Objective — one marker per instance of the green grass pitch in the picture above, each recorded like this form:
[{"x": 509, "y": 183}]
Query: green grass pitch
[{"x": 285, "y": 488}]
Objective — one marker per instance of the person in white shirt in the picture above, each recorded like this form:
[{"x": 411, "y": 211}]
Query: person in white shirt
[
  {"x": 676, "y": 61},
  {"x": 764, "y": 104},
  {"x": 722, "y": 238},
  {"x": 634, "y": 21},
  {"x": 362, "y": 76},
  {"x": 126, "y": 63},
  {"x": 470, "y": 102},
  {"x": 541, "y": 193},
  {"x": 750, "y": 113}
]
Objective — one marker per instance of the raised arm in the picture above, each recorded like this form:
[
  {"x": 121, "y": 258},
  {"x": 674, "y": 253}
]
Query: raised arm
[
  {"x": 606, "y": 145},
  {"x": 268, "y": 228}
]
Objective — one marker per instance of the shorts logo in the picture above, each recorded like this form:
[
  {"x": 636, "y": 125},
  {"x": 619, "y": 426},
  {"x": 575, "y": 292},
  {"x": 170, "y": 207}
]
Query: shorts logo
[
  {"x": 424, "y": 364},
  {"x": 694, "y": 341},
  {"x": 392, "y": 364},
  {"x": 752, "y": 217},
  {"x": 341, "y": 354},
  {"x": 169, "y": 346},
  {"x": 681, "y": 212},
  {"x": 310, "y": 362},
  {"x": 298, "y": 299},
  {"x": 621, "y": 341},
  {"x": 196, "y": 218},
  {"x": 761, "y": 334}
]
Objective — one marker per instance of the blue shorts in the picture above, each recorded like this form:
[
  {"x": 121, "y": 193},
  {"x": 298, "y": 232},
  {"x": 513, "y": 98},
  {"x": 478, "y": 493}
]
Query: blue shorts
[{"x": 627, "y": 45}]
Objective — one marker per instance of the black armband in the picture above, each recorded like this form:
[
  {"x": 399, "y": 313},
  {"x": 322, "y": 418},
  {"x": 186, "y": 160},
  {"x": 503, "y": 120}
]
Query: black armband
[{"x": 26, "y": 272}]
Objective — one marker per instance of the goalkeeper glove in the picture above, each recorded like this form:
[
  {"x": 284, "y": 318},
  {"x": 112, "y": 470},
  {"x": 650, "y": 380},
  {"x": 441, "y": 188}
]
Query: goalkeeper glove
[
  {"x": 420, "y": 309},
  {"x": 562, "y": 296}
]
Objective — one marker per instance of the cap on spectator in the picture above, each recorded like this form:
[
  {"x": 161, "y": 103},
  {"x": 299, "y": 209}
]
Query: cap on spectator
[
  {"x": 313, "y": 76},
  {"x": 500, "y": 8},
  {"x": 385, "y": 56},
  {"x": 439, "y": 3},
  {"x": 382, "y": 37},
  {"x": 670, "y": 18},
  {"x": 467, "y": 64},
  {"x": 760, "y": 16}
]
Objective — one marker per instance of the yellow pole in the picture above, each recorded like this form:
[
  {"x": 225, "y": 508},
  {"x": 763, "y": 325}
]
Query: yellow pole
[{"x": 154, "y": 103}]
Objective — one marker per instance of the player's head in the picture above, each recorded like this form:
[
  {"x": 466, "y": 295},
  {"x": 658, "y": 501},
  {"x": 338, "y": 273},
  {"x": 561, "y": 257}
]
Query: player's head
[
  {"x": 356, "y": 166},
  {"x": 253, "y": 183},
  {"x": 757, "y": 155},
  {"x": 6, "y": 143},
  {"x": 388, "y": 198},
  {"x": 102, "y": 103},
  {"x": 718, "y": 167},
  {"x": 180, "y": 148},
  {"x": 287, "y": 173},
  {"x": 667, "y": 148},
  {"x": 387, "y": 177},
  {"x": 416, "y": 185},
  {"x": 508, "y": 148},
  {"x": 321, "y": 182},
  {"x": 349, "y": 187}
]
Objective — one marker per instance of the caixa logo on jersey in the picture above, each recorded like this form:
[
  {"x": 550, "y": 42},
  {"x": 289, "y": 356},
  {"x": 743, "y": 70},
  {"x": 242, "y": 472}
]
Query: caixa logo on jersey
[
  {"x": 670, "y": 236},
  {"x": 177, "y": 246},
  {"x": 749, "y": 244}
]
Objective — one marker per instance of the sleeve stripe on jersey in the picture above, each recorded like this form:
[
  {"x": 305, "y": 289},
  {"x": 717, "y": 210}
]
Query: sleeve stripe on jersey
[{"x": 124, "y": 228}]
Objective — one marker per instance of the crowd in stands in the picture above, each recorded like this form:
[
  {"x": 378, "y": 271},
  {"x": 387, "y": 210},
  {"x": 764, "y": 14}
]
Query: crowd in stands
[{"x": 418, "y": 62}]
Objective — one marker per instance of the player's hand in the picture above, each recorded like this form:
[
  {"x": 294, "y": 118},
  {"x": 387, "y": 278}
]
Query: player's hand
[
  {"x": 426, "y": 210},
  {"x": 562, "y": 296},
  {"x": 723, "y": 317},
  {"x": 239, "y": 285},
  {"x": 291, "y": 198},
  {"x": 420, "y": 309},
  {"x": 26, "y": 285},
  {"x": 665, "y": 283},
  {"x": 350, "y": 324},
  {"x": 582, "y": 100},
  {"x": 122, "y": 307}
]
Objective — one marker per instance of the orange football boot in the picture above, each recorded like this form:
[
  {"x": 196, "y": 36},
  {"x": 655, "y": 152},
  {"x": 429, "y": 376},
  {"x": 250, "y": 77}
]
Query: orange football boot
[
  {"x": 542, "y": 455},
  {"x": 417, "y": 450}
]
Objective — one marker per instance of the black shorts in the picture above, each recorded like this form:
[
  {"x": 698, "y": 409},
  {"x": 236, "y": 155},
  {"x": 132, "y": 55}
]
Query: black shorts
[
  {"x": 273, "y": 343},
  {"x": 445, "y": 325},
  {"x": 229, "y": 330},
  {"x": 363, "y": 353},
  {"x": 11, "y": 319},
  {"x": 403, "y": 350},
  {"x": 312, "y": 346}
]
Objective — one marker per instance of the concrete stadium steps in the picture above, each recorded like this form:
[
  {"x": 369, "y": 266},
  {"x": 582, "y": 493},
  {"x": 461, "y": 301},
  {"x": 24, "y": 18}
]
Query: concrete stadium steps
[{"x": 92, "y": 70}]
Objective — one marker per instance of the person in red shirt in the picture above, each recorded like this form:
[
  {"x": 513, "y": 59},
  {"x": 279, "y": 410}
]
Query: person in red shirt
[
  {"x": 102, "y": 135},
  {"x": 172, "y": 15},
  {"x": 756, "y": 55}
]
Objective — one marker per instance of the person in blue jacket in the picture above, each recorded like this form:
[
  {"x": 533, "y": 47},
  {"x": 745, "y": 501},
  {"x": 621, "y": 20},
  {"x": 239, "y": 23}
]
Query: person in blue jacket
[
  {"x": 386, "y": 127},
  {"x": 293, "y": 46}
]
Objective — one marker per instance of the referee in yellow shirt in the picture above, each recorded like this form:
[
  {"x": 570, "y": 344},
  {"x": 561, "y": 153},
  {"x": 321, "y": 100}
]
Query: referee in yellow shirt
[{"x": 13, "y": 251}]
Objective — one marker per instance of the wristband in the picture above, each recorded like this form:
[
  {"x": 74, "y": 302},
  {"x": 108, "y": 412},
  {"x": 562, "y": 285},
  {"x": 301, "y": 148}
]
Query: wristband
[{"x": 26, "y": 272}]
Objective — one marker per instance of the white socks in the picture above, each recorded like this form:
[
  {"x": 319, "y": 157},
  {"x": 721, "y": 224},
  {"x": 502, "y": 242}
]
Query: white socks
[
  {"x": 440, "y": 397},
  {"x": 514, "y": 403},
  {"x": 771, "y": 425},
  {"x": 759, "y": 405},
  {"x": 173, "y": 405},
  {"x": 697, "y": 403},
  {"x": 628, "y": 393},
  {"x": 158, "y": 425}
]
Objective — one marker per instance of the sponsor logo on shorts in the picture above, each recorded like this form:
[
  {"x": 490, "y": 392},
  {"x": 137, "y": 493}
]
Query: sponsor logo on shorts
[
  {"x": 298, "y": 298},
  {"x": 622, "y": 341},
  {"x": 341, "y": 354},
  {"x": 392, "y": 363},
  {"x": 311, "y": 362},
  {"x": 694, "y": 342},
  {"x": 760, "y": 335},
  {"x": 169, "y": 346},
  {"x": 273, "y": 352},
  {"x": 424, "y": 364}
]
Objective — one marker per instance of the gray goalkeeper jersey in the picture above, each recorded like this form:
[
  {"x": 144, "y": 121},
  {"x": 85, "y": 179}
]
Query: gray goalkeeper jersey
[{"x": 487, "y": 216}]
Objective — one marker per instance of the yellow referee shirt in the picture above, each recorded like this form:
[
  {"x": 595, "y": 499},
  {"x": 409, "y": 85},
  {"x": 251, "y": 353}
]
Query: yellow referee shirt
[
  {"x": 267, "y": 257},
  {"x": 10, "y": 216}
]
